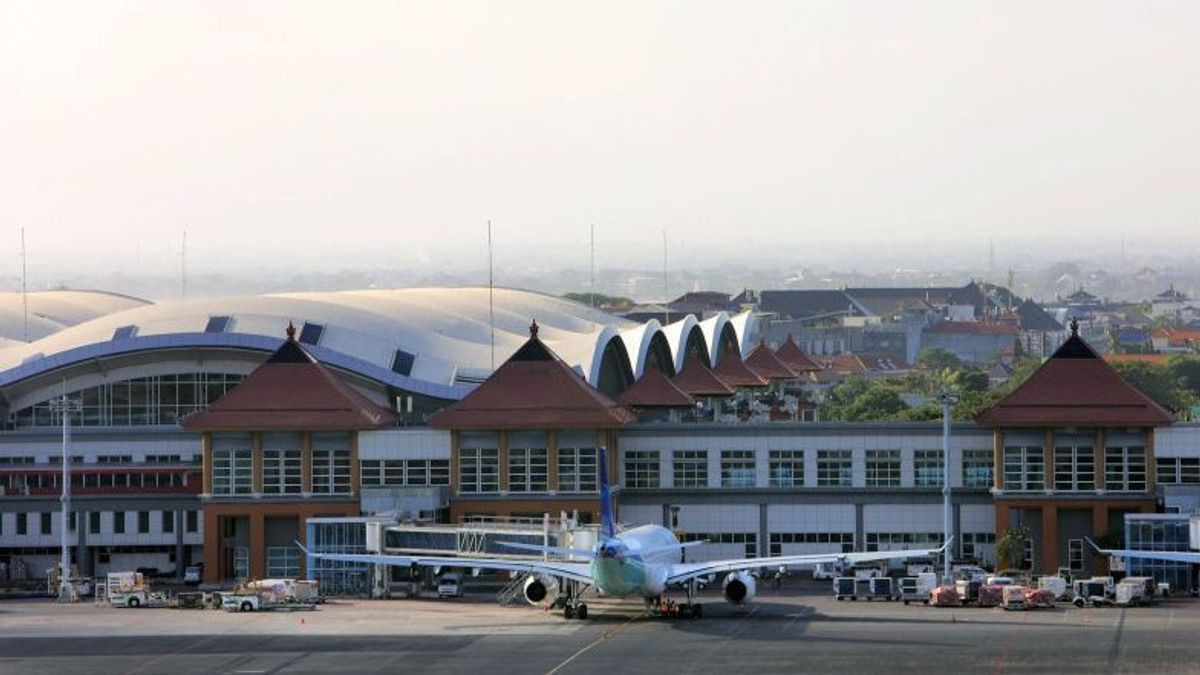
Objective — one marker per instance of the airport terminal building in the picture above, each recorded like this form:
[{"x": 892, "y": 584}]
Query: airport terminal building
[{"x": 213, "y": 430}]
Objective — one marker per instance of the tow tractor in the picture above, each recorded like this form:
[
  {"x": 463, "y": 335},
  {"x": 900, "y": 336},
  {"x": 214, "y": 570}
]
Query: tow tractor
[{"x": 268, "y": 594}]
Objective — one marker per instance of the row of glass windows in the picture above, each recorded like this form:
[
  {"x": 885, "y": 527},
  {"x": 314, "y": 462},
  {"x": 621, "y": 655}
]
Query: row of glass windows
[
  {"x": 1075, "y": 468},
  {"x": 143, "y": 401},
  {"x": 528, "y": 470},
  {"x": 232, "y": 472},
  {"x": 399, "y": 472},
  {"x": 747, "y": 539},
  {"x": 120, "y": 521},
  {"x": 835, "y": 468},
  {"x": 1178, "y": 470},
  {"x": 778, "y": 539},
  {"x": 17, "y": 483}
]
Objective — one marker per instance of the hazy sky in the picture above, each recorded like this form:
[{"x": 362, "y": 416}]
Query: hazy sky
[{"x": 343, "y": 132}]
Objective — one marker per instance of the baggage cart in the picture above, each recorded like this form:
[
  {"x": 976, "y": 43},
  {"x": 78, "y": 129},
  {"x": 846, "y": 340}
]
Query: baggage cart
[
  {"x": 843, "y": 588},
  {"x": 880, "y": 588}
]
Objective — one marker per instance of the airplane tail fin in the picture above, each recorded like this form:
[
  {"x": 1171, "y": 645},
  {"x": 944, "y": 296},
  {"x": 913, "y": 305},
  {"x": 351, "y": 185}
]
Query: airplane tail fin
[{"x": 608, "y": 527}]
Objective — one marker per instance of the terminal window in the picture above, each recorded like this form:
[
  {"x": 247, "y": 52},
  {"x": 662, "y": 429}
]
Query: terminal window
[
  {"x": 883, "y": 468},
  {"x": 927, "y": 468},
  {"x": 786, "y": 468},
  {"x": 1125, "y": 468},
  {"x": 1024, "y": 468},
  {"x": 737, "y": 468},
  {"x": 577, "y": 470},
  {"x": 641, "y": 469},
  {"x": 977, "y": 468},
  {"x": 1074, "y": 468},
  {"x": 478, "y": 470},
  {"x": 835, "y": 468},
  {"x": 690, "y": 468},
  {"x": 528, "y": 470}
]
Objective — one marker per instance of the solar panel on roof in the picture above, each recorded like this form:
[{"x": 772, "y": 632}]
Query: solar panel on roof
[
  {"x": 124, "y": 332},
  {"x": 403, "y": 362},
  {"x": 311, "y": 333},
  {"x": 217, "y": 324}
]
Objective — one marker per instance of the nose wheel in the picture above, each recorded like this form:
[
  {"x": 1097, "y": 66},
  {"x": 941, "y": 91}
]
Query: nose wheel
[{"x": 572, "y": 607}]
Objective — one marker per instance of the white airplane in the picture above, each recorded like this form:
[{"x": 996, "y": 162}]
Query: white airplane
[{"x": 643, "y": 560}]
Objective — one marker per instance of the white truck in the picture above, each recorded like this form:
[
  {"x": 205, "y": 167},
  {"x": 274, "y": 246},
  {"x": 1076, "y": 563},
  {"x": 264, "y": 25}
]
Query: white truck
[
  {"x": 131, "y": 589},
  {"x": 269, "y": 594}
]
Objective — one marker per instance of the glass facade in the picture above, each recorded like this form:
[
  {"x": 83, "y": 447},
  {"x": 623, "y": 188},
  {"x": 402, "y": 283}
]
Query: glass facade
[
  {"x": 883, "y": 468},
  {"x": 835, "y": 468},
  {"x": 690, "y": 468},
  {"x": 1024, "y": 468},
  {"x": 577, "y": 470},
  {"x": 528, "y": 470},
  {"x": 977, "y": 468},
  {"x": 143, "y": 401},
  {"x": 337, "y": 578},
  {"x": 1159, "y": 533},
  {"x": 786, "y": 468},
  {"x": 642, "y": 469},
  {"x": 928, "y": 470},
  {"x": 737, "y": 468}
]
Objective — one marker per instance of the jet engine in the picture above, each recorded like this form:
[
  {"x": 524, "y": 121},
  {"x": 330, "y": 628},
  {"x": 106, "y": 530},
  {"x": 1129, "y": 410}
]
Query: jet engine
[
  {"x": 738, "y": 587},
  {"x": 540, "y": 590}
]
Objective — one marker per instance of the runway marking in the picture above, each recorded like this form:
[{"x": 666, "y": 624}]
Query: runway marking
[{"x": 604, "y": 637}]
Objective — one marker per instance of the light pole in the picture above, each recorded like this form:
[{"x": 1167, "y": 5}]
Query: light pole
[
  {"x": 66, "y": 407},
  {"x": 948, "y": 400}
]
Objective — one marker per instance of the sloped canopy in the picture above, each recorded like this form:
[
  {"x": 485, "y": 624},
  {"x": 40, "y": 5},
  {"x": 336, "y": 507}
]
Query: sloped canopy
[
  {"x": 1075, "y": 387},
  {"x": 734, "y": 372},
  {"x": 291, "y": 391},
  {"x": 793, "y": 357},
  {"x": 764, "y": 362},
  {"x": 533, "y": 389},
  {"x": 655, "y": 390},
  {"x": 698, "y": 380}
]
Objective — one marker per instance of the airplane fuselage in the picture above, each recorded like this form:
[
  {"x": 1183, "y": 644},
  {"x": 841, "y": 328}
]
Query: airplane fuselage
[{"x": 636, "y": 561}]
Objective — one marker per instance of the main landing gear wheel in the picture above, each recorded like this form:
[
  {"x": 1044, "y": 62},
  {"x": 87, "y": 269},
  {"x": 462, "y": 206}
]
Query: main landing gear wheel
[
  {"x": 581, "y": 611},
  {"x": 568, "y": 612},
  {"x": 685, "y": 611},
  {"x": 697, "y": 611}
]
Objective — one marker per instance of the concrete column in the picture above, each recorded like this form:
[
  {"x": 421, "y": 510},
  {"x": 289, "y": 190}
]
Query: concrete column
[
  {"x": 179, "y": 563},
  {"x": 1099, "y": 529},
  {"x": 454, "y": 460},
  {"x": 1099, "y": 445},
  {"x": 552, "y": 461},
  {"x": 355, "y": 466},
  {"x": 1049, "y": 540},
  {"x": 502, "y": 453},
  {"x": 860, "y": 535},
  {"x": 764, "y": 532},
  {"x": 83, "y": 555},
  {"x": 258, "y": 544},
  {"x": 306, "y": 464},
  {"x": 212, "y": 547},
  {"x": 998, "y": 459},
  {"x": 1151, "y": 463},
  {"x": 956, "y": 518},
  {"x": 1048, "y": 453},
  {"x": 206, "y": 462},
  {"x": 256, "y": 463}
]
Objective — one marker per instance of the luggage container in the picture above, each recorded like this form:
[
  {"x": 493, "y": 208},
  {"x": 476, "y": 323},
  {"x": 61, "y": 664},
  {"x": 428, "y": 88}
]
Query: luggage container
[
  {"x": 1039, "y": 598},
  {"x": 968, "y": 590},
  {"x": 916, "y": 589},
  {"x": 880, "y": 589},
  {"x": 990, "y": 595},
  {"x": 843, "y": 588},
  {"x": 862, "y": 588},
  {"x": 1132, "y": 591},
  {"x": 1056, "y": 585},
  {"x": 944, "y": 596},
  {"x": 1013, "y": 598}
]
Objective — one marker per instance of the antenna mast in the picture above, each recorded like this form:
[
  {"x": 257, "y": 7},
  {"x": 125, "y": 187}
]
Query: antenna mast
[
  {"x": 24, "y": 288},
  {"x": 491, "y": 299}
]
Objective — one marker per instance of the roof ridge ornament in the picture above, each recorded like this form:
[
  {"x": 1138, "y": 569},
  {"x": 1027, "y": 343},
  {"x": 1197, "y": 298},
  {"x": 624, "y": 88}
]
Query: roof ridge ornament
[
  {"x": 533, "y": 329},
  {"x": 291, "y": 332},
  {"x": 1074, "y": 327}
]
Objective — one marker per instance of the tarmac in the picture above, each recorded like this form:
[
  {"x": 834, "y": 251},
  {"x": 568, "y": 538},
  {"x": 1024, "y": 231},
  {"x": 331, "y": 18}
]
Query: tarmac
[{"x": 799, "y": 629}]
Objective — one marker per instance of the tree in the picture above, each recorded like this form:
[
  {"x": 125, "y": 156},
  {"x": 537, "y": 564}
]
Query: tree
[
  {"x": 1158, "y": 383},
  {"x": 860, "y": 399},
  {"x": 1010, "y": 546},
  {"x": 937, "y": 358}
]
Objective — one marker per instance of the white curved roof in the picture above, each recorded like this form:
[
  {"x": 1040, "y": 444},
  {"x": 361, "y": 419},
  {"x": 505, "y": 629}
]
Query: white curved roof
[
  {"x": 447, "y": 330},
  {"x": 52, "y": 311}
]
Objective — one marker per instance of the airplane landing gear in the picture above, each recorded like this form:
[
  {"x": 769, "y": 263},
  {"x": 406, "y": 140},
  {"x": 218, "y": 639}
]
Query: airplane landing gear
[{"x": 572, "y": 608}]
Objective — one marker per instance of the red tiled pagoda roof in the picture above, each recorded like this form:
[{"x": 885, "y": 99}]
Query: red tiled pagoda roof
[
  {"x": 698, "y": 380},
  {"x": 1075, "y": 387},
  {"x": 533, "y": 389},
  {"x": 655, "y": 390},
  {"x": 734, "y": 372},
  {"x": 764, "y": 362},
  {"x": 291, "y": 391},
  {"x": 793, "y": 357}
]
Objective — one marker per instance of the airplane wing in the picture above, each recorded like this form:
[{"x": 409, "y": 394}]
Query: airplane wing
[
  {"x": 684, "y": 571},
  {"x": 577, "y": 571},
  {"x": 1170, "y": 556}
]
